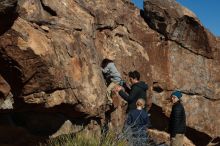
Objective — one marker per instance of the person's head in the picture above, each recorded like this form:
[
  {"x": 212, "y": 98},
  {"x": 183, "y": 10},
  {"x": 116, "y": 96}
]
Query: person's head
[
  {"x": 134, "y": 76},
  {"x": 175, "y": 96},
  {"x": 105, "y": 62},
  {"x": 140, "y": 103}
]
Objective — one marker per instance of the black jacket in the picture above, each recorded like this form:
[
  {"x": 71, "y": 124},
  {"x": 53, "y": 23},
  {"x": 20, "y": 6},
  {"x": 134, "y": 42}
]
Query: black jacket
[
  {"x": 177, "y": 124},
  {"x": 138, "y": 90}
]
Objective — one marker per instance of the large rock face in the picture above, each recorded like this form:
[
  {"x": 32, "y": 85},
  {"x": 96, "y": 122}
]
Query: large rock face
[
  {"x": 180, "y": 25},
  {"x": 50, "y": 55},
  {"x": 192, "y": 62}
]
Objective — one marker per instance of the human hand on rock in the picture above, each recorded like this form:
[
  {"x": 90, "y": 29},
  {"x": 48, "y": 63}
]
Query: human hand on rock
[
  {"x": 128, "y": 85},
  {"x": 117, "y": 88}
]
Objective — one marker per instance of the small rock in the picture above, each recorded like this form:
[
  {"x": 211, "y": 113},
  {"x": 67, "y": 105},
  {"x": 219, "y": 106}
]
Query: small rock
[{"x": 45, "y": 28}]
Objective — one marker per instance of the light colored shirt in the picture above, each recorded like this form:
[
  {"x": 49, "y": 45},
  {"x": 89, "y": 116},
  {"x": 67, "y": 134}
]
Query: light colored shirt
[{"x": 112, "y": 71}]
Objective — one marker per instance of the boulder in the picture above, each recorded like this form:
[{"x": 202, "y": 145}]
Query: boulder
[
  {"x": 50, "y": 57},
  {"x": 179, "y": 24}
]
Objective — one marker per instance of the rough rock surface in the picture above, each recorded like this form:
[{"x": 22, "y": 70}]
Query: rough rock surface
[
  {"x": 50, "y": 55},
  {"x": 169, "y": 18},
  {"x": 192, "y": 63},
  {"x": 163, "y": 137}
]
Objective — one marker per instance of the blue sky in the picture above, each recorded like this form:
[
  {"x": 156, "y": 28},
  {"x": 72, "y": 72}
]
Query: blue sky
[{"x": 208, "y": 11}]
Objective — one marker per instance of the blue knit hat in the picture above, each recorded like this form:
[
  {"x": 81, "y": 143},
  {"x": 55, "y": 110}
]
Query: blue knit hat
[{"x": 178, "y": 94}]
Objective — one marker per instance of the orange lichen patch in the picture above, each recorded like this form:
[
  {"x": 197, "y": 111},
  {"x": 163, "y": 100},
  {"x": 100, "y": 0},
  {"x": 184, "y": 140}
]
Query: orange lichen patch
[{"x": 75, "y": 68}]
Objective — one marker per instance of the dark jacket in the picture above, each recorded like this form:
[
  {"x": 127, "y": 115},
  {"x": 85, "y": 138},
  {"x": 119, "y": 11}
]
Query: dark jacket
[
  {"x": 136, "y": 127},
  {"x": 177, "y": 124},
  {"x": 137, "y": 119},
  {"x": 138, "y": 90}
]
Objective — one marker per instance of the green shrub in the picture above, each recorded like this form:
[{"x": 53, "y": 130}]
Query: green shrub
[{"x": 83, "y": 139}]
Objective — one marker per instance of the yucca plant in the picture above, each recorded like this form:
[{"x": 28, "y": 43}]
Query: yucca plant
[{"x": 83, "y": 139}]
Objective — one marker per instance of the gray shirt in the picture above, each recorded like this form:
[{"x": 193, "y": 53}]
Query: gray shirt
[{"x": 112, "y": 71}]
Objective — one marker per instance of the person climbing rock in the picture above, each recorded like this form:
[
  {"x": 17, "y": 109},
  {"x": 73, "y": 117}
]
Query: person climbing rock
[
  {"x": 111, "y": 75},
  {"x": 138, "y": 90},
  {"x": 177, "y": 123},
  {"x": 135, "y": 128}
]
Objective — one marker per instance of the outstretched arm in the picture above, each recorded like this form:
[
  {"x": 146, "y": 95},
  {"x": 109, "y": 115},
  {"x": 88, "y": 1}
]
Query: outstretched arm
[{"x": 128, "y": 97}]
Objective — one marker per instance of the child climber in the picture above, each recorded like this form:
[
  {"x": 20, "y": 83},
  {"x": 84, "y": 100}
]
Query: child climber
[
  {"x": 136, "y": 125},
  {"x": 111, "y": 75}
]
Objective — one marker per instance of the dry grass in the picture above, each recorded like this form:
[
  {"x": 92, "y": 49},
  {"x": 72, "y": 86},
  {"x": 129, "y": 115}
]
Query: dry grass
[{"x": 82, "y": 139}]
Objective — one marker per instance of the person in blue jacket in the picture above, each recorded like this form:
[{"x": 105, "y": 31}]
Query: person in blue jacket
[{"x": 136, "y": 125}]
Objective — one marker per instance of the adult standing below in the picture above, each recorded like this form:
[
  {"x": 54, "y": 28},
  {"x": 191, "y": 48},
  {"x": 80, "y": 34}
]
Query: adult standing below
[
  {"x": 138, "y": 90},
  {"x": 177, "y": 124}
]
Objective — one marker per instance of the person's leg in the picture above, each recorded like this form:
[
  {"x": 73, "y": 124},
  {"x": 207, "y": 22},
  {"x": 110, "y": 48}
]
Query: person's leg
[
  {"x": 173, "y": 141},
  {"x": 180, "y": 138},
  {"x": 109, "y": 91},
  {"x": 177, "y": 140}
]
